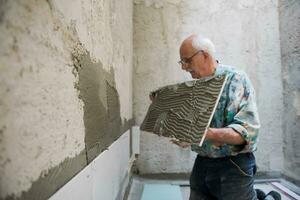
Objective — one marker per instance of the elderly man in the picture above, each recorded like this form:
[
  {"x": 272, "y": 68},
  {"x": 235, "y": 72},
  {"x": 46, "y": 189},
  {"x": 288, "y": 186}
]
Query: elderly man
[{"x": 225, "y": 163}]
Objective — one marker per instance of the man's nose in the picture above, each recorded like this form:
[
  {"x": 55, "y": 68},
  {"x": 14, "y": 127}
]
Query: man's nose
[{"x": 184, "y": 66}]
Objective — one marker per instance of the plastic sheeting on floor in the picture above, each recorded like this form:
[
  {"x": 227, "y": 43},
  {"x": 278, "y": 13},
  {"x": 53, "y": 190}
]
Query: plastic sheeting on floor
[{"x": 161, "y": 192}]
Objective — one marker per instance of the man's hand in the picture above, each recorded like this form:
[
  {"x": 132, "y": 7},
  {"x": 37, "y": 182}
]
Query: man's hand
[
  {"x": 181, "y": 144},
  {"x": 152, "y": 96}
]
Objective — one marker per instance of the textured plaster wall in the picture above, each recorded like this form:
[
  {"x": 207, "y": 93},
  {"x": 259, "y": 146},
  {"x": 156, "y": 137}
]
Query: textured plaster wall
[
  {"x": 59, "y": 60},
  {"x": 246, "y": 35},
  {"x": 289, "y": 17}
]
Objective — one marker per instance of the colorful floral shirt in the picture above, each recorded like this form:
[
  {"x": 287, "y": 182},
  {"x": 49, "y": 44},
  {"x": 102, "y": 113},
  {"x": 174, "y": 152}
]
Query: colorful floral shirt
[{"x": 237, "y": 110}]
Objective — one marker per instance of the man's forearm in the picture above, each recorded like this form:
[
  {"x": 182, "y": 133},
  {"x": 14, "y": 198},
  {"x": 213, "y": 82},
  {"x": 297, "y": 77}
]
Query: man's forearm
[{"x": 225, "y": 136}]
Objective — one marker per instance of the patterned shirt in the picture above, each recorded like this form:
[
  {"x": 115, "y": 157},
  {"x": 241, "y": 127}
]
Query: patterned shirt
[{"x": 237, "y": 110}]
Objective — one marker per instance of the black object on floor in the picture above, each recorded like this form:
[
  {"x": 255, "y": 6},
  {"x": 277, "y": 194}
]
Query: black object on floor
[
  {"x": 260, "y": 194},
  {"x": 275, "y": 195}
]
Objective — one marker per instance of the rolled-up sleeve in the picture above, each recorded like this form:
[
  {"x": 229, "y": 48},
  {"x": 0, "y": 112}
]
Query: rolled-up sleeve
[{"x": 241, "y": 112}]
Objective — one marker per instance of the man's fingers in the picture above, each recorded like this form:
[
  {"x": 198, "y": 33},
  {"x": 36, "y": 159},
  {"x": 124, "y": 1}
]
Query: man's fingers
[
  {"x": 152, "y": 96},
  {"x": 217, "y": 144},
  {"x": 181, "y": 144},
  {"x": 175, "y": 142}
]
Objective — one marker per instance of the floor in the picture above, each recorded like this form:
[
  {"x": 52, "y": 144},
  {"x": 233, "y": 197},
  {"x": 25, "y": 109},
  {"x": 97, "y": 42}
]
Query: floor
[{"x": 155, "y": 189}]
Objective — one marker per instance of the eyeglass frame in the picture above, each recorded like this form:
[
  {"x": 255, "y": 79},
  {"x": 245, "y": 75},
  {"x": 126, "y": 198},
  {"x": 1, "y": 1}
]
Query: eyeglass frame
[{"x": 189, "y": 60}]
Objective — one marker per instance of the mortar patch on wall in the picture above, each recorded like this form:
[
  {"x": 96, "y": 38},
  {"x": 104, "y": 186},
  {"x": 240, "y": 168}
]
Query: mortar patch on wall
[
  {"x": 51, "y": 180},
  {"x": 102, "y": 118}
]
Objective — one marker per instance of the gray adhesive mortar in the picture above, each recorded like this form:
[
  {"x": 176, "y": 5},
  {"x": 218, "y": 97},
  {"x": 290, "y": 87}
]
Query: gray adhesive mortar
[
  {"x": 50, "y": 181},
  {"x": 102, "y": 118}
]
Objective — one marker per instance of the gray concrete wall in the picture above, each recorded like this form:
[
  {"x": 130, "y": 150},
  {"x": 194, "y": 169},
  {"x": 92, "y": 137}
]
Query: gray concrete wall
[
  {"x": 246, "y": 35},
  {"x": 65, "y": 87},
  {"x": 289, "y": 17}
]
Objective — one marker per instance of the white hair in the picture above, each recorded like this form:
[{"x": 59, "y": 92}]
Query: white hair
[{"x": 204, "y": 44}]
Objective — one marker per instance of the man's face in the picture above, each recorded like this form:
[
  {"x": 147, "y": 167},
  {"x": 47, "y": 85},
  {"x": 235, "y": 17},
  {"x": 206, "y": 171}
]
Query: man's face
[{"x": 193, "y": 61}]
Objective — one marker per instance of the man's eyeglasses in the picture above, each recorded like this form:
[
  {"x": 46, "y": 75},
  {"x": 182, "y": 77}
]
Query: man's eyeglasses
[{"x": 188, "y": 60}]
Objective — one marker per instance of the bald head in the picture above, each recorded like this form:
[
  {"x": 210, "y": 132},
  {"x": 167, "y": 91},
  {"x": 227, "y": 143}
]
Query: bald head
[
  {"x": 188, "y": 40},
  {"x": 187, "y": 44},
  {"x": 198, "y": 42},
  {"x": 197, "y": 54}
]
